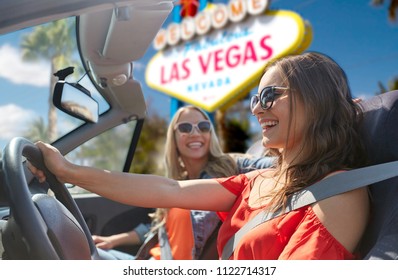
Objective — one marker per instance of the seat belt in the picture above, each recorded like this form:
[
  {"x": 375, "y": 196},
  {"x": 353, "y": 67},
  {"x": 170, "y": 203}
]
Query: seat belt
[
  {"x": 164, "y": 243},
  {"x": 330, "y": 186},
  {"x": 155, "y": 237},
  {"x": 150, "y": 242}
]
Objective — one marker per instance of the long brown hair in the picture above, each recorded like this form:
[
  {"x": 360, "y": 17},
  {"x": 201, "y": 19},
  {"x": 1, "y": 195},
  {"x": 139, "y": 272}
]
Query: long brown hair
[{"x": 331, "y": 138}]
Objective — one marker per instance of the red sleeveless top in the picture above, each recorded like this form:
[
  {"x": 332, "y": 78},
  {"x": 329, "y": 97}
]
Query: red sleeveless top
[{"x": 297, "y": 235}]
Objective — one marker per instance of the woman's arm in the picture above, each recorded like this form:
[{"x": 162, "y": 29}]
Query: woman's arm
[
  {"x": 133, "y": 237},
  {"x": 247, "y": 164},
  {"x": 137, "y": 189}
]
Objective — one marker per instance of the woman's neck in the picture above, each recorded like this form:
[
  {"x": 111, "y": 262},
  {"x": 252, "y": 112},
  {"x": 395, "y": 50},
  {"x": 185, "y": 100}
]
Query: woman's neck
[
  {"x": 290, "y": 157},
  {"x": 194, "y": 166}
]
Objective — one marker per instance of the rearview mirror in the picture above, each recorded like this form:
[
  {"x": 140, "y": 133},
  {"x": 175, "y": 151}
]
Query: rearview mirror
[{"x": 76, "y": 101}]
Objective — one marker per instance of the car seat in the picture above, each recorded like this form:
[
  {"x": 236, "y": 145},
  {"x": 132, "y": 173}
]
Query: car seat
[
  {"x": 380, "y": 133},
  {"x": 209, "y": 251}
]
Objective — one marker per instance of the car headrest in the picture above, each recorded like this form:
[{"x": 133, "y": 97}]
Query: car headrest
[
  {"x": 380, "y": 134},
  {"x": 380, "y": 127}
]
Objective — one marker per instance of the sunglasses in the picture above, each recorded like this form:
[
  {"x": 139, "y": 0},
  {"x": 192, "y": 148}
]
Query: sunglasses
[
  {"x": 186, "y": 127},
  {"x": 266, "y": 97}
]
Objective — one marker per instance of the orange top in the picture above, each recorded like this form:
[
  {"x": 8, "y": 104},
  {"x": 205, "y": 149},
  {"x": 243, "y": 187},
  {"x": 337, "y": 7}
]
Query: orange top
[
  {"x": 179, "y": 231},
  {"x": 296, "y": 235}
]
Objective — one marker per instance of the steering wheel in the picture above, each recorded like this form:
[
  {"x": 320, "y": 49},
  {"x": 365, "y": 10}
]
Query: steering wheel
[{"x": 50, "y": 226}]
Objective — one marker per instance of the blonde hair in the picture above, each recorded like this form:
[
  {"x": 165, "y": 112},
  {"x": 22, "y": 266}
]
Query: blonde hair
[
  {"x": 332, "y": 140},
  {"x": 219, "y": 164}
]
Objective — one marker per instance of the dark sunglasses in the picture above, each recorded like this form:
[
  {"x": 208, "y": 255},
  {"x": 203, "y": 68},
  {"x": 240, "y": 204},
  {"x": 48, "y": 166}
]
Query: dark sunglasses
[
  {"x": 266, "y": 97},
  {"x": 186, "y": 127}
]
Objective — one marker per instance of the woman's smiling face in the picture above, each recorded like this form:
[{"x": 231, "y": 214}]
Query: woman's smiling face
[
  {"x": 277, "y": 130},
  {"x": 195, "y": 145}
]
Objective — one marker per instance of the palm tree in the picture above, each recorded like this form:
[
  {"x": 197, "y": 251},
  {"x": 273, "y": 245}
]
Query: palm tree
[
  {"x": 52, "y": 42},
  {"x": 392, "y": 8},
  {"x": 147, "y": 157},
  {"x": 37, "y": 131},
  {"x": 392, "y": 85},
  {"x": 92, "y": 152}
]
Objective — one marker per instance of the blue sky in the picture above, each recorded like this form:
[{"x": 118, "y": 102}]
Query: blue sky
[{"x": 356, "y": 34}]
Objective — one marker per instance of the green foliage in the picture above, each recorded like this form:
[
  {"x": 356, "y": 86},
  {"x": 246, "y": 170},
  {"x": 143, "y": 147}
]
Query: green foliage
[
  {"x": 109, "y": 150},
  {"x": 236, "y": 136},
  {"x": 106, "y": 151},
  {"x": 392, "y": 8},
  {"x": 49, "y": 41},
  {"x": 392, "y": 85},
  {"x": 233, "y": 128},
  {"x": 36, "y": 131},
  {"x": 148, "y": 157},
  {"x": 54, "y": 42}
]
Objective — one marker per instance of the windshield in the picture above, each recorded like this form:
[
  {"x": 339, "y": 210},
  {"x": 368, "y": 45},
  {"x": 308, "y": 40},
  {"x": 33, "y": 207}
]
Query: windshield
[{"x": 28, "y": 59}]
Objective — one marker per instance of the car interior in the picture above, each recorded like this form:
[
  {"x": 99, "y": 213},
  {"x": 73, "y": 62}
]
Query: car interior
[
  {"x": 107, "y": 58},
  {"x": 381, "y": 137},
  {"x": 46, "y": 221}
]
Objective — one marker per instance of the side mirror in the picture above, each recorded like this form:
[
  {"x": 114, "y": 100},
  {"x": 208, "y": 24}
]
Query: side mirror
[{"x": 76, "y": 101}]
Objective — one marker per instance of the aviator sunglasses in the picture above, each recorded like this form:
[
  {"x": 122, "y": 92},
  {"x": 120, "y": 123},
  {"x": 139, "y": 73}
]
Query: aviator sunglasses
[
  {"x": 186, "y": 127},
  {"x": 266, "y": 97}
]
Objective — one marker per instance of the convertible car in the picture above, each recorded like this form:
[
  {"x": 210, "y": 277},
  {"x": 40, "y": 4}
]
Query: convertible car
[
  {"x": 67, "y": 77},
  {"x": 76, "y": 89}
]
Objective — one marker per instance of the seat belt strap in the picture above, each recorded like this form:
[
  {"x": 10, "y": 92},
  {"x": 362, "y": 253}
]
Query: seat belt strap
[
  {"x": 149, "y": 243},
  {"x": 164, "y": 243},
  {"x": 330, "y": 186}
]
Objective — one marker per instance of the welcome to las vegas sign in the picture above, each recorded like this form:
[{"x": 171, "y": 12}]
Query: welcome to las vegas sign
[{"x": 215, "y": 69}]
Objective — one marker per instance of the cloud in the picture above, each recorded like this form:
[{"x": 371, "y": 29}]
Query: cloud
[
  {"x": 15, "y": 123},
  {"x": 14, "y": 69}
]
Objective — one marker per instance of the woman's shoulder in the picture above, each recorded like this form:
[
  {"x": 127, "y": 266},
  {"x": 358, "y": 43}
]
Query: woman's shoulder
[
  {"x": 236, "y": 183},
  {"x": 266, "y": 172},
  {"x": 345, "y": 215},
  {"x": 357, "y": 196}
]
